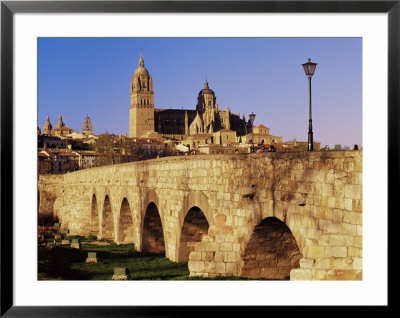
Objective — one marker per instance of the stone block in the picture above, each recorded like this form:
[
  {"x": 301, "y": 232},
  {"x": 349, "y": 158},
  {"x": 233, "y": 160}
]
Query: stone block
[
  {"x": 324, "y": 200},
  {"x": 92, "y": 257},
  {"x": 329, "y": 214},
  {"x": 196, "y": 266},
  {"x": 207, "y": 256},
  {"x": 231, "y": 268},
  {"x": 307, "y": 262},
  {"x": 211, "y": 246},
  {"x": 332, "y": 202},
  {"x": 231, "y": 257},
  {"x": 209, "y": 267},
  {"x": 301, "y": 274},
  {"x": 357, "y": 263},
  {"x": 92, "y": 254},
  {"x": 225, "y": 247},
  {"x": 220, "y": 267},
  {"x": 219, "y": 238},
  {"x": 316, "y": 251},
  {"x": 65, "y": 242},
  {"x": 358, "y": 241},
  {"x": 349, "y": 229},
  {"x": 345, "y": 275},
  {"x": 348, "y": 204},
  {"x": 75, "y": 245},
  {"x": 336, "y": 251},
  {"x": 352, "y": 191},
  {"x": 329, "y": 178},
  {"x": 121, "y": 273},
  {"x": 337, "y": 215},
  {"x": 195, "y": 256},
  {"x": 337, "y": 240},
  {"x": 219, "y": 256},
  {"x": 320, "y": 275},
  {"x": 357, "y": 205},
  {"x": 334, "y": 228},
  {"x": 354, "y": 251},
  {"x": 326, "y": 189},
  {"x": 323, "y": 263}
]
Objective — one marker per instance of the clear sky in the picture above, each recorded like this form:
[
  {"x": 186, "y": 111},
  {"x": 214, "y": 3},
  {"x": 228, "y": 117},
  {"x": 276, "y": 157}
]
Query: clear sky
[{"x": 92, "y": 76}]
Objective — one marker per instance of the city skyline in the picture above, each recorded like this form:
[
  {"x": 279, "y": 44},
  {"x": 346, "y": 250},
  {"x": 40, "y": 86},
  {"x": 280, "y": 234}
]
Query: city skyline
[{"x": 92, "y": 76}]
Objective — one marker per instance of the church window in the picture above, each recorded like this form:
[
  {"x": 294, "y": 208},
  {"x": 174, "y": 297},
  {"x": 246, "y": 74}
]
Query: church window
[{"x": 209, "y": 103}]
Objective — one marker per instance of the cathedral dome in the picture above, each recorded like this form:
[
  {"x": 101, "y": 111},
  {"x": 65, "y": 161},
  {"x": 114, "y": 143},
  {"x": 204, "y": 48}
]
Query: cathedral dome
[
  {"x": 206, "y": 90},
  {"x": 141, "y": 70}
]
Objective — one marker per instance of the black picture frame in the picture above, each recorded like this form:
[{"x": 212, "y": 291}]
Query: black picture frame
[{"x": 8, "y": 8}]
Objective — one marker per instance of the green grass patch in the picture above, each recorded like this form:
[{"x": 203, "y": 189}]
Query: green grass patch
[{"x": 66, "y": 263}]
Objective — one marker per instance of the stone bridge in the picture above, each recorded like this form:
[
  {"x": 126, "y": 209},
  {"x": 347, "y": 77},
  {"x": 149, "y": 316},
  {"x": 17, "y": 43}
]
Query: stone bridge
[{"x": 291, "y": 216}]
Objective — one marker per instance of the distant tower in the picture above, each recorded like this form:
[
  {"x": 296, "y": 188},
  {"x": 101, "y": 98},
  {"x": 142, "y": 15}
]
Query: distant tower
[
  {"x": 47, "y": 127},
  {"x": 206, "y": 99},
  {"x": 141, "y": 112},
  {"x": 60, "y": 123},
  {"x": 207, "y": 105},
  {"x": 227, "y": 119},
  {"x": 87, "y": 126}
]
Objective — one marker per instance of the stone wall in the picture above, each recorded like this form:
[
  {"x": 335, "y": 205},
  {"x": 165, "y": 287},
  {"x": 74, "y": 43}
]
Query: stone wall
[
  {"x": 50, "y": 187},
  {"x": 316, "y": 197}
]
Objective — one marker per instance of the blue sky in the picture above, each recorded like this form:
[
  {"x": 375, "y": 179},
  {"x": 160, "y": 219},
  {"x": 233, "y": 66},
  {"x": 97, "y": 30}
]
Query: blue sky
[{"x": 91, "y": 76}]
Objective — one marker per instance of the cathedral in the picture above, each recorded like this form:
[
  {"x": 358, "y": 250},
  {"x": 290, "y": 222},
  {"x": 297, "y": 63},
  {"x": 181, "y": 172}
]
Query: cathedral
[
  {"x": 63, "y": 131},
  {"x": 206, "y": 124}
]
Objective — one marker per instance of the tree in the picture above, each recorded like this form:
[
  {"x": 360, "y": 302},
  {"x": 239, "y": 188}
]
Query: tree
[{"x": 337, "y": 147}]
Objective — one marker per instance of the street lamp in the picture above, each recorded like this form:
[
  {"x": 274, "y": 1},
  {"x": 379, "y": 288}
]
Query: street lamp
[
  {"x": 252, "y": 117},
  {"x": 309, "y": 69}
]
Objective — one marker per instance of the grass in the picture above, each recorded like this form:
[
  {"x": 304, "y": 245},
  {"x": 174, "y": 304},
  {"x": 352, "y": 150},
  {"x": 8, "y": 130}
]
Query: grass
[{"x": 65, "y": 263}]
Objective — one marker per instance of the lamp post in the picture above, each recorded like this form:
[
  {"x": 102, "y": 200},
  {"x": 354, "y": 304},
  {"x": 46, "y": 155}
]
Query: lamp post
[
  {"x": 309, "y": 69},
  {"x": 252, "y": 117}
]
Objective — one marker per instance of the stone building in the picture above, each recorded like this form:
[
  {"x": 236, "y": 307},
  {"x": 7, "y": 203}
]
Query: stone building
[
  {"x": 62, "y": 131},
  {"x": 207, "y": 124}
]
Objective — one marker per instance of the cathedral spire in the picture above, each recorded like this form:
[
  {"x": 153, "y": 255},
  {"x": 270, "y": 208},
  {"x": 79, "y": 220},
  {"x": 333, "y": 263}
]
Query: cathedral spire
[
  {"x": 47, "y": 126},
  {"x": 60, "y": 122},
  {"x": 141, "y": 61}
]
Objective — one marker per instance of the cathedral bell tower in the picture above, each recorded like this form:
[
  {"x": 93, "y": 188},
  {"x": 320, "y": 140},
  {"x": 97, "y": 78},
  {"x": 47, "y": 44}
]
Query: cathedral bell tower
[
  {"x": 87, "y": 126},
  {"x": 141, "y": 112}
]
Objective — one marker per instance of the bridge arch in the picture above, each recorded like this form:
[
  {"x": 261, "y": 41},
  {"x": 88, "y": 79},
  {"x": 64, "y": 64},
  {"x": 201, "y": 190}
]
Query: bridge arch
[
  {"x": 195, "y": 226},
  {"x": 271, "y": 252},
  {"x": 94, "y": 217},
  {"x": 152, "y": 230},
  {"x": 107, "y": 228},
  {"x": 125, "y": 223},
  {"x": 196, "y": 199}
]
